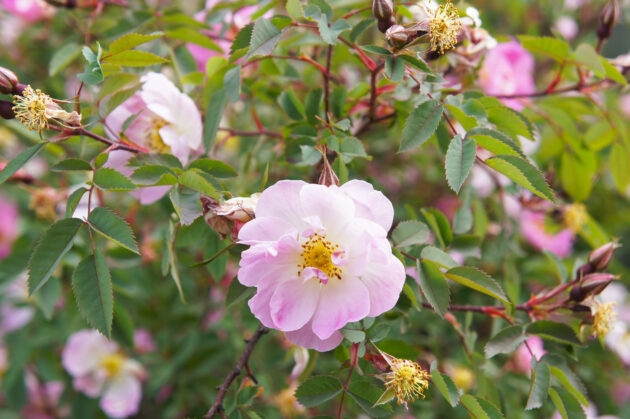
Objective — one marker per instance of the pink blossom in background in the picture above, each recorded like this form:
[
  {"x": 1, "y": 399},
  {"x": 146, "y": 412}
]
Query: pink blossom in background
[
  {"x": 567, "y": 27},
  {"x": 28, "y": 10},
  {"x": 43, "y": 399},
  {"x": 507, "y": 70},
  {"x": 624, "y": 105},
  {"x": 618, "y": 338},
  {"x": 100, "y": 370},
  {"x": 8, "y": 226},
  {"x": 167, "y": 121},
  {"x": 533, "y": 229},
  {"x": 143, "y": 341},
  {"x": 14, "y": 312},
  {"x": 319, "y": 258},
  {"x": 523, "y": 358}
]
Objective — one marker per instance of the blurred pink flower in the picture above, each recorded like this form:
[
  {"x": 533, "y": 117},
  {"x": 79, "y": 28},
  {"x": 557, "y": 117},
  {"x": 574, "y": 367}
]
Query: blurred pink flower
[
  {"x": 567, "y": 27},
  {"x": 143, "y": 341},
  {"x": 507, "y": 70},
  {"x": 29, "y": 10},
  {"x": 14, "y": 312},
  {"x": 166, "y": 121},
  {"x": 624, "y": 105},
  {"x": 8, "y": 226},
  {"x": 99, "y": 369},
  {"x": 320, "y": 258},
  {"x": 533, "y": 229},
  {"x": 523, "y": 358},
  {"x": 43, "y": 399}
]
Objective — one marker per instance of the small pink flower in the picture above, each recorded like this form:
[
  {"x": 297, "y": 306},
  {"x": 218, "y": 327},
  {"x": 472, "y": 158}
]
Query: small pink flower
[
  {"x": 533, "y": 229},
  {"x": 14, "y": 314},
  {"x": 99, "y": 369},
  {"x": 43, "y": 399},
  {"x": 8, "y": 226},
  {"x": 523, "y": 358},
  {"x": 143, "y": 341},
  {"x": 166, "y": 121},
  {"x": 320, "y": 258},
  {"x": 567, "y": 27},
  {"x": 507, "y": 70},
  {"x": 29, "y": 10}
]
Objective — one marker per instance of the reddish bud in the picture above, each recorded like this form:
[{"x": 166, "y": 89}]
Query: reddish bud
[
  {"x": 8, "y": 81},
  {"x": 383, "y": 25},
  {"x": 6, "y": 109},
  {"x": 600, "y": 258},
  {"x": 383, "y": 9},
  {"x": 591, "y": 284},
  {"x": 397, "y": 36},
  {"x": 607, "y": 19}
]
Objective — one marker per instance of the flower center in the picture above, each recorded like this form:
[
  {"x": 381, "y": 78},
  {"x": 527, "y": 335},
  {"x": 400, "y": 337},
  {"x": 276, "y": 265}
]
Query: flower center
[
  {"x": 408, "y": 380},
  {"x": 575, "y": 217},
  {"x": 31, "y": 108},
  {"x": 318, "y": 253},
  {"x": 604, "y": 319},
  {"x": 155, "y": 142},
  {"x": 444, "y": 28},
  {"x": 112, "y": 364}
]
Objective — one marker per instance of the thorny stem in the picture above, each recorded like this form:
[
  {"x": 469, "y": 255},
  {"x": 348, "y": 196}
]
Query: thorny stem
[
  {"x": 326, "y": 75},
  {"x": 114, "y": 144},
  {"x": 354, "y": 355},
  {"x": 217, "y": 406}
]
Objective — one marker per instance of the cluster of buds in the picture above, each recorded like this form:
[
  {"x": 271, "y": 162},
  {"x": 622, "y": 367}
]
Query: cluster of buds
[
  {"x": 383, "y": 11},
  {"x": 227, "y": 217}
]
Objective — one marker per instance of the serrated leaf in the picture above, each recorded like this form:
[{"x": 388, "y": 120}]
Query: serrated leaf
[
  {"x": 620, "y": 166},
  {"x": 567, "y": 406},
  {"x": 366, "y": 392},
  {"x": 612, "y": 72},
  {"x": 523, "y": 173},
  {"x": 291, "y": 104},
  {"x": 92, "y": 286},
  {"x": 265, "y": 36},
  {"x": 361, "y": 27},
  {"x": 73, "y": 201},
  {"x": 408, "y": 233},
  {"x": 587, "y": 56},
  {"x": 194, "y": 179},
  {"x": 354, "y": 336},
  {"x": 71, "y": 165},
  {"x": 63, "y": 57},
  {"x": 194, "y": 37},
  {"x": 477, "y": 280},
  {"x": 153, "y": 175},
  {"x": 135, "y": 59},
  {"x": 460, "y": 157},
  {"x": 294, "y": 8},
  {"x": 490, "y": 409},
  {"x": 213, "y": 117},
  {"x": 494, "y": 141},
  {"x": 438, "y": 256},
  {"x": 445, "y": 385},
  {"x": 576, "y": 177},
  {"x": 24, "y": 157},
  {"x": 215, "y": 168},
  {"x": 555, "y": 48},
  {"x": 439, "y": 224},
  {"x": 417, "y": 62},
  {"x": 394, "y": 68},
  {"x": 50, "y": 250},
  {"x": 539, "y": 386},
  {"x": 132, "y": 40},
  {"x": 434, "y": 286},
  {"x": 421, "y": 124},
  {"x": 510, "y": 121},
  {"x": 243, "y": 38},
  {"x": 109, "y": 179},
  {"x": 330, "y": 33},
  {"x": 317, "y": 390},
  {"x": 375, "y": 49},
  {"x": 114, "y": 228},
  {"x": 505, "y": 342},
  {"x": 550, "y": 330}
]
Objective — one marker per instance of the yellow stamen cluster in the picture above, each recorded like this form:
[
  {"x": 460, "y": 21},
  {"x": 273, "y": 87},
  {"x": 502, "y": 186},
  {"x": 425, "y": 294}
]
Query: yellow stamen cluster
[
  {"x": 575, "y": 216},
  {"x": 408, "y": 380},
  {"x": 317, "y": 253},
  {"x": 155, "y": 142},
  {"x": 603, "y": 319},
  {"x": 44, "y": 203},
  {"x": 444, "y": 27},
  {"x": 31, "y": 108},
  {"x": 112, "y": 364},
  {"x": 288, "y": 405}
]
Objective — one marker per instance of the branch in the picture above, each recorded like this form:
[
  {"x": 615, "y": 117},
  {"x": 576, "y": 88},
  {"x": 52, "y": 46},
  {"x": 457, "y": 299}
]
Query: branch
[
  {"x": 217, "y": 406},
  {"x": 114, "y": 144},
  {"x": 251, "y": 133},
  {"x": 326, "y": 75}
]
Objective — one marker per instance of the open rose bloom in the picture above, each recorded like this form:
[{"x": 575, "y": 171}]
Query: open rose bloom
[
  {"x": 100, "y": 370},
  {"x": 320, "y": 258},
  {"x": 166, "y": 121},
  {"x": 29, "y": 10}
]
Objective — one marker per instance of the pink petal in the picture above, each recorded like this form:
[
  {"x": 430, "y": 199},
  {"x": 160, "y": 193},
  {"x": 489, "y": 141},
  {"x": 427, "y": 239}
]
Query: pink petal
[
  {"x": 122, "y": 396},
  {"x": 84, "y": 351},
  {"x": 370, "y": 203},
  {"x": 90, "y": 384},
  {"x": 384, "y": 283},
  {"x": 264, "y": 229},
  {"x": 334, "y": 208},
  {"x": 306, "y": 338},
  {"x": 293, "y": 303},
  {"x": 282, "y": 200}
]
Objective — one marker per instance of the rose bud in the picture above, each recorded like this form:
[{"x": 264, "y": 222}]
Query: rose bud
[
  {"x": 607, "y": 19},
  {"x": 8, "y": 80},
  {"x": 600, "y": 258},
  {"x": 397, "y": 36},
  {"x": 6, "y": 109},
  {"x": 591, "y": 284},
  {"x": 229, "y": 216},
  {"x": 383, "y": 9}
]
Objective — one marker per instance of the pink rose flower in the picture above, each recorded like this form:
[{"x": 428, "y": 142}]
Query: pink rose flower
[
  {"x": 167, "y": 121},
  {"x": 143, "y": 341},
  {"x": 533, "y": 229},
  {"x": 99, "y": 369},
  {"x": 523, "y": 358},
  {"x": 508, "y": 70},
  {"x": 8, "y": 226},
  {"x": 29, "y": 10},
  {"x": 43, "y": 399},
  {"x": 320, "y": 258},
  {"x": 14, "y": 314}
]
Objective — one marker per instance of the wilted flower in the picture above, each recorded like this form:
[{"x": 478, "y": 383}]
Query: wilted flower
[
  {"x": 441, "y": 22},
  {"x": 507, "y": 70},
  {"x": 15, "y": 313},
  {"x": 603, "y": 318},
  {"x": 229, "y": 216},
  {"x": 8, "y": 226},
  {"x": 536, "y": 234},
  {"x": 35, "y": 109},
  {"x": 100, "y": 369},
  {"x": 44, "y": 202},
  {"x": 320, "y": 258},
  {"x": 575, "y": 216},
  {"x": 406, "y": 380},
  {"x": 166, "y": 121}
]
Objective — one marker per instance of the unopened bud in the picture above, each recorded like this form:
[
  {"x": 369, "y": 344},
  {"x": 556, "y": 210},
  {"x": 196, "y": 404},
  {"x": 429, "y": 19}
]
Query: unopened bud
[
  {"x": 328, "y": 177},
  {"x": 607, "y": 19},
  {"x": 383, "y": 9},
  {"x": 591, "y": 284},
  {"x": 228, "y": 217},
  {"x": 6, "y": 109},
  {"x": 8, "y": 81},
  {"x": 600, "y": 258},
  {"x": 397, "y": 36},
  {"x": 383, "y": 25}
]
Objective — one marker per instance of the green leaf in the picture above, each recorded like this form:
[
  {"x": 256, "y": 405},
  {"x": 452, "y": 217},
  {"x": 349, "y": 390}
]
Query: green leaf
[
  {"x": 408, "y": 233},
  {"x": 619, "y": 163},
  {"x": 366, "y": 393},
  {"x": 48, "y": 296},
  {"x": 587, "y": 56},
  {"x": 612, "y": 72},
  {"x": 434, "y": 286},
  {"x": 330, "y": 33},
  {"x": 566, "y": 404},
  {"x": 291, "y": 104},
  {"x": 214, "y": 167},
  {"x": 317, "y": 389},
  {"x": 417, "y": 62},
  {"x": 552, "y": 47},
  {"x": 576, "y": 177},
  {"x": 460, "y": 157},
  {"x": 135, "y": 59},
  {"x": 562, "y": 270},
  {"x": 24, "y": 157},
  {"x": 112, "y": 227},
  {"x": 523, "y": 173},
  {"x": 354, "y": 336},
  {"x": 394, "y": 68},
  {"x": 109, "y": 179},
  {"x": 361, "y": 27},
  {"x": 387, "y": 396},
  {"x": 509, "y": 121},
  {"x": 338, "y": 100},
  {"x": 477, "y": 280},
  {"x": 152, "y": 175},
  {"x": 421, "y": 124},
  {"x": 122, "y": 326},
  {"x": 73, "y": 201},
  {"x": 294, "y": 8},
  {"x": 243, "y": 38},
  {"x": 232, "y": 83},
  {"x": 539, "y": 386},
  {"x": 312, "y": 105},
  {"x": 213, "y": 117},
  {"x": 506, "y": 341},
  {"x": 438, "y": 256},
  {"x": 71, "y": 165},
  {"x": 237, "y": 292},
  {"x": 132, "y": 40},
  {"x": 195, "y": 179},
  {"x": 63, "y": 57},
  {"x": 566, "y": 377},
  {"x": 194, "y": 37},
  {"x": 50, "y": 250},
  {"x": 445, "y": 385},
  {"x": 494, "y": 141},
  {"x": 490, "y": 409},
  {"x": 558, "y": 332},
  {"x": 375, "y": 49},
  {"x": 439, "y": 224},
  {"x": 265, "y": 36},
  {"x": 92, "y": 287},
  {"x": 93, "y": 72}
]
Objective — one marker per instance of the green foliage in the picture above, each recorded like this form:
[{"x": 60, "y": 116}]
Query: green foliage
[
  {"x": 421, "y": 124},
  {"x": 92, "y": 287}
]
